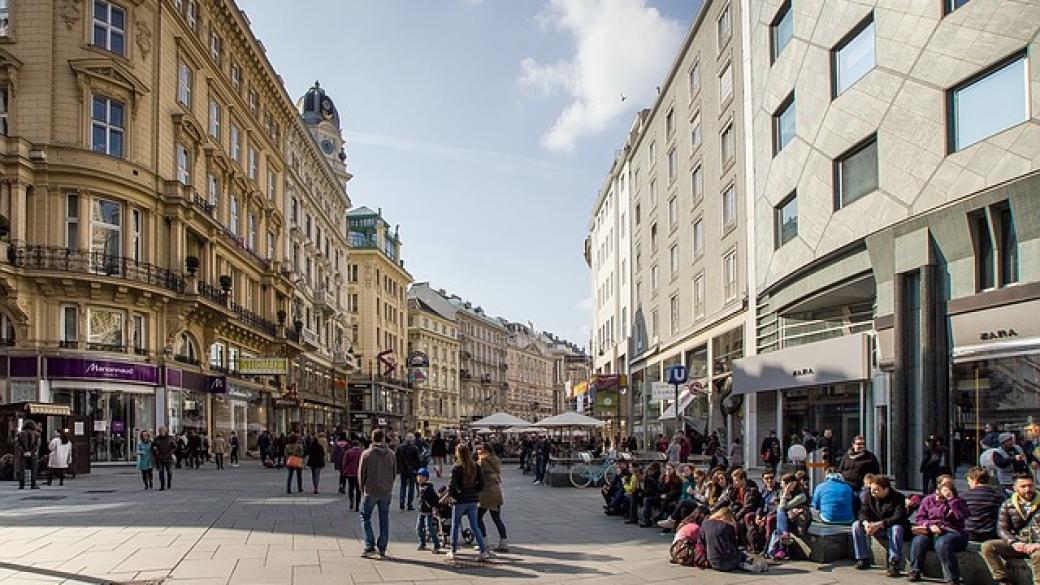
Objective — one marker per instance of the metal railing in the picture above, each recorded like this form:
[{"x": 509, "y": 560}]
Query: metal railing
[
  {"x": 84, "y": 262},
  {"x": 243, "y": 314}
]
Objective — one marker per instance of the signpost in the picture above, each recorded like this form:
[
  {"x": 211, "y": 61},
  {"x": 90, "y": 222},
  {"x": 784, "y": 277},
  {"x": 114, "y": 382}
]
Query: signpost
[{"x": 677, "y": 377}]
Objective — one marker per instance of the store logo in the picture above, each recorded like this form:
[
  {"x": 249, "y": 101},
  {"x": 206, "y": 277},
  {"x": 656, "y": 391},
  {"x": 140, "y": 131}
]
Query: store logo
[
  {"x": 998, "y": 334},
  {"x": 802, "y": 372},
  {"x": 109, "y": 370}
]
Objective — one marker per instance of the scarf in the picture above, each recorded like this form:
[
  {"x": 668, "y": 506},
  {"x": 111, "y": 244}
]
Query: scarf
[{"x": 1030, "y": 532}]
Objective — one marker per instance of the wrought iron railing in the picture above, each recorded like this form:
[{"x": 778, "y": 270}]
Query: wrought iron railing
[
  {"x": 88, "y": 262},
  {"x": 248, "y": 317}
]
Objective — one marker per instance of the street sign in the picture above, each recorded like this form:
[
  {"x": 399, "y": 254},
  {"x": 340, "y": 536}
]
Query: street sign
[
  {"x": 677, "y": 375},
  {"x": 661, "y": 391}
]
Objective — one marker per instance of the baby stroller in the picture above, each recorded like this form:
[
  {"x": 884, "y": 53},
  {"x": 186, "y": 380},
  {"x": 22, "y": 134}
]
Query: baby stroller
[{"x": 442, "y": 513}]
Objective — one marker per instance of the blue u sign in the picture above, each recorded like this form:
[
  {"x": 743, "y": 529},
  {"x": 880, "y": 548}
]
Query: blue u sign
[{"x": 677, "y": 375}]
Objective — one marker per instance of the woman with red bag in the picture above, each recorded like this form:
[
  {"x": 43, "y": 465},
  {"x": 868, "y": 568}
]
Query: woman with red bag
[{"x": 294, "y": 463}]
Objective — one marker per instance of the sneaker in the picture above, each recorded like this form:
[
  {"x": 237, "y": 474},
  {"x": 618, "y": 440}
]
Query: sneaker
[
  {"x": 437, "y": 551},
  {"x": 536, "y": 482},
  {"x": 862, "y": 564},
  {"x": 892, "y": 570},
  {"x": 754, "y": 567},
  {"x": 502, "y": 547},
  {"x": 382, "y": 555},
  {"x": 367, "y": 553},
  {"x": 421, "y": 547},
  {"x": 913, "y": 576},
  {"x": 450, "y": 557},
  {"x": 666, "y": 523},
  {"x": 484, "y": 557},
  {"x": 780, "y": 555}
]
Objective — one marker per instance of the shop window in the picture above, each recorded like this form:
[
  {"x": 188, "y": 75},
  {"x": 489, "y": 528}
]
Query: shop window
[
  {"x": 853, "y": 57},
  {"x": 988, "y": 103},
  {"x": 105, "y": 330}
]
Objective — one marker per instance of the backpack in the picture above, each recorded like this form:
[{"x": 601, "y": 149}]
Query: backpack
[{"x": 690, "y": 554}]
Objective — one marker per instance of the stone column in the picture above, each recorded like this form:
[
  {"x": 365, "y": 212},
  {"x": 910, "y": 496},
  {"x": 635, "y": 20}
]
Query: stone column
[
  {"x": 898, "y": 400},
  {"x": 19, "y": 212}
]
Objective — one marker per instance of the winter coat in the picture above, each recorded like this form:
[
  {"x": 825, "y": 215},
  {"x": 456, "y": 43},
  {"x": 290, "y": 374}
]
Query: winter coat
[
  {"x": 144, "y": 456},
  {"x": 407, "y": 458},
  {"x": 462, "y": 492},
  {"x": 164, "y": 446},
  {"x": 338, "y": 449},
  {"x": 891, "y": 510},
  {"x": 377, "y": 471},
  {"x": 983, "y": 509},
  {"x": 671, "y": 489},
  {"x": 741, "y": 501},
  {"x": 855, "y": 466},
  {"x": 294, "y": 449},
  {"x": 439, "y": 448},
  {"x": 316, "y": 454},
  {"x": 491, "y": 473},
  {"x": 351, "y": 461},
  {"x": 428, "y": 498},
  {"x": 833, "y": 498},
  {"x": 1017, "y": 525},
  {"x": 949, "y": 515},
  {"x": 797, "y": 501},
  {"x": 219, "y": 446},
  {"x": 1008, "y": 466},
  {"x": 60, "y": 454}
]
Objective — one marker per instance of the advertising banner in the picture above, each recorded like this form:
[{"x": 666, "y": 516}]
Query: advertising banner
[
  {"x": 263, "y": 366},
  {"x": 90, "y": 369}
]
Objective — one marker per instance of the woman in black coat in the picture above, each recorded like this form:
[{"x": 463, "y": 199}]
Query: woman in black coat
[{"x": 316, "y": 461}]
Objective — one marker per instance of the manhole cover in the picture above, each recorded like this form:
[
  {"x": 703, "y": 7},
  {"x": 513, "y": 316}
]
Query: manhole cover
[
  {"x": 101, "y": 492},
  {"x": 43, "y": 498}
]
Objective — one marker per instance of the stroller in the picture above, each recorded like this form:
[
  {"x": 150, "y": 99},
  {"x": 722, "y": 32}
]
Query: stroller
[{"x": 442, "y": 513}]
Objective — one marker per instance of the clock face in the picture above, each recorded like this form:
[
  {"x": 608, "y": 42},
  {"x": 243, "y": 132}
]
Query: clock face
[{"x": 327, "y": 146}]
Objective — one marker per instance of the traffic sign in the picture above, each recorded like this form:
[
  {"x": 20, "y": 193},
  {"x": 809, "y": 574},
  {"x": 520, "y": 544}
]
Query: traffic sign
[{"x": 677, "y": 375}]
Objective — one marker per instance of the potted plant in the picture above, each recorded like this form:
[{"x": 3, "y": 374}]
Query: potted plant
[
  {"x": 298, "y": 326},
  {"x": 225, "y": 283},
  {"x": 281, "y": 316},
  {"x": 192, "y": 264}
]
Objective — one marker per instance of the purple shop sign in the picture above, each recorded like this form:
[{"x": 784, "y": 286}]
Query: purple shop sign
[
  {"x": 24, "y": 367},
  {"x": 118, "y": 426},
  {"x": 88, "y": 369}
]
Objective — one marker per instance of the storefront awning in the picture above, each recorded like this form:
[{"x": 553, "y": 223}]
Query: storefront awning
[
  {"x": 831, "y": 361},
  {"x": 996, "y": 332}
]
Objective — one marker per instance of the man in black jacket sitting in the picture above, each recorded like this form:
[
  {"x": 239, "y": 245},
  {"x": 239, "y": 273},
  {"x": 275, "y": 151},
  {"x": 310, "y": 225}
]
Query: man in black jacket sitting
[{"x": 882, "y": 516}]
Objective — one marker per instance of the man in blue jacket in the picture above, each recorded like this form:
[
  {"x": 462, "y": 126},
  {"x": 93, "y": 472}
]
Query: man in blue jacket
[{"x": 832, "y": 500}]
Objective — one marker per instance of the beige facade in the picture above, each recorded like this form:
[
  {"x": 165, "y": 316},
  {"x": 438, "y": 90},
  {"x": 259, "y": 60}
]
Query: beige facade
[
  {"x": 377, "y": 284},
  {"x": 437, "y": 337},
  {"x": 530, "y": 373}
]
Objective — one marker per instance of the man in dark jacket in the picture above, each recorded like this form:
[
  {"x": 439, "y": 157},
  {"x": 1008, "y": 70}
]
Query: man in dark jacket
[
  {"x": 407, "y": 463},
  {"x": 825, "y": 445},
  {"x": 439, "y": 452},
  {"x": 194, "y": 449},
  {"x": 882, "y": 516},
  {"x": 27, "y": 454},
  {"x": 857, "y": 463},
  {"x": 984, "y": 503},
  {"x": 1018, "y": 531},
  {"x": 770, "y": 451},
  {"x": 164, "y": 446},
  {"x": 744, "y": 499},
  {"x": 543, "y": 452}
]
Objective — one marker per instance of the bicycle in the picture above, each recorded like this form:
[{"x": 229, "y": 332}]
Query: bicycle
[{"x": 583, "y": 474}]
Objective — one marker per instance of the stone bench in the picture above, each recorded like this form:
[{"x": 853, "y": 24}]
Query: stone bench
[
  {"x": 973, "y": 567},
  {"x": 828, "y": 543}
]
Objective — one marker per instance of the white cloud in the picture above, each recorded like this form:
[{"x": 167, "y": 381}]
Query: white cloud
[{"x": 622, "y": 47}]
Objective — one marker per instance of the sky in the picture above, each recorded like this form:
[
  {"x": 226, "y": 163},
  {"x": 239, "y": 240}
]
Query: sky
[{"x": 484, "y": 128}]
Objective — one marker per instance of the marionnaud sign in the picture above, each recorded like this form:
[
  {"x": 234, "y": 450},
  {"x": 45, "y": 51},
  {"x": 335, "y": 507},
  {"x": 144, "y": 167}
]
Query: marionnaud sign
[{"x": 88, "y": 369}]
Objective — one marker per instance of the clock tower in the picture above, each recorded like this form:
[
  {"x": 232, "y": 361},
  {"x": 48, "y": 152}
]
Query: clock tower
[{"x": 322, "y": 119}]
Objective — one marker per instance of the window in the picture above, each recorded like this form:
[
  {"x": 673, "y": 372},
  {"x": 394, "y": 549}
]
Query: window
[
  {"x": 5, "y": 18},
  {"x": 698, "y": 237},
  {"x": 69, "y": 325},
  {"x": 725, "y": 26},
  {"x": 234, "y": 216},
  {"x": 653, "y": 237},
  {"x": 697, "y": 180},
  {"x": 951, "y": 5},
  {"x": 236, "y": 76},
  {"x": 673, "y": 260},
  {"x": 107, "y": 126},
  {"x": 72, "y": 221},
  {"x": 729, "y": 207},
  {"x": 212, "y": 191},
  {"x": 783, "y": 124},
  {"x": 109, "y": 27},
  {"x": 985, "y": 259},
  {"x": 785, "y": 220},
  {"x": 105, "y": 329},
  {"x": 695, "y": 79},
  {"x": 135, "y": 234},
  {"x": 653, "y": 278},
  {"x": 698, "y": 296},
  {"x": 1008, "y": 245},
  {"x": 653, "y": 193},
  {"x": 725, "y": 84},
  {"x": 272, "y": 184},
  {"x": 253, "y": 164},
  {"x": 216, "y": 47},
  {"x": 106, "y": 241},
  {"x": 653, "y": 153},
  {"x": 251, "y": 242},
  {"x": 729, "y": 274},
  {"x": 138, "y": 340},
  {"x": 254, "y": 104},
  {"x": 184, "y": 83},
  {"x": 216, "y": 355},
  {"x": 781, "y": 30},
  {"x": 183, "y": 164},
  {"x": 856, "y": 173},
  {"x": 3, "y": 109},
  {"x": 653, "y": 324},
  {"x": 214, "y": 119},
  {"x": 696, "y": 135},
  {"x": 236, "y": 144},
  {"x": 853, "y": 57},
  {"x": 294, "y": 210},
  {"x": 988, "y": 104},
  {"x": 673, "y": 164},
  {"x": 674, "y": 313},
  {"x": 727, "y": 144},
  {"x": 191, "y": 14},
  {"x": 673, "y": 213},
  {"x": 669, "y": 122},
  {"x": 270, "y": 246}
]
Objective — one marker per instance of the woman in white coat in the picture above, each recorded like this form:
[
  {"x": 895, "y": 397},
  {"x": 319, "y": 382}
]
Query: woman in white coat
[{"x": 58, "y": 460}]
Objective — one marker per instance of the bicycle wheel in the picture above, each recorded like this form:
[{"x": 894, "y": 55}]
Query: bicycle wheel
[
  {"x": 580, "y": 476},
  {"x": 609, "y": 474}
]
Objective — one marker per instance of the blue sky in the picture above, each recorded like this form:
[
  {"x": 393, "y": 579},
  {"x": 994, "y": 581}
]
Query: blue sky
[{"x": 483, "y": 127}]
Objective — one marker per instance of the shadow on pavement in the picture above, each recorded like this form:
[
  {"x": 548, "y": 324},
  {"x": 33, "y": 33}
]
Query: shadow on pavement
[
  {"x": 562, "y": 556},
  {"x": 53, "y": 573}
]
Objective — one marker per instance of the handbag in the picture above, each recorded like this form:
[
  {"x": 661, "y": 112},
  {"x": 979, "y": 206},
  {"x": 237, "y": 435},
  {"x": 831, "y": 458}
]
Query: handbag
[{"x": 294, "y": 462}]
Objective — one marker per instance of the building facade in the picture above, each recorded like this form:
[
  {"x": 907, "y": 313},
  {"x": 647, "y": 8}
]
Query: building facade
[
  {"x": 435, "y": 336},
  {"x": 896, "y": 223},
  {"x": 377, "y": 283},
  {"x": 530, "y": 373}
]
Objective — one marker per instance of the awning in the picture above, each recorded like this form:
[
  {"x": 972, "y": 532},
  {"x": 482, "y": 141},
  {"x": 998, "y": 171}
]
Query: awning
[
  {"x": 831, "y": 361},
  {"x": 42, "y": 408}
]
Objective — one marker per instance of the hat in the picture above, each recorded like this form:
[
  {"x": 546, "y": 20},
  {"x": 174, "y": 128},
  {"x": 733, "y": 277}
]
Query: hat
[
  {"x": 1007, "y": 437},
  {"x": 423, "y": 472}
]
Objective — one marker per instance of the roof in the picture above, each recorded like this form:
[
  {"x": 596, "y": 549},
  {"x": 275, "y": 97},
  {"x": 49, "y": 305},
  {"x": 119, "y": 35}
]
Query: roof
[
  {"x": 316, "y": 107},
  {"x": 361, "y": 211}
]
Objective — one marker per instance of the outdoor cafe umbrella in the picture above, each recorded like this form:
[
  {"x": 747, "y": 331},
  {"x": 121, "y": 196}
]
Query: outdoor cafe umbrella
[
  {"x": 570, "y": 420},
  {"x": 500, "y": 420}
]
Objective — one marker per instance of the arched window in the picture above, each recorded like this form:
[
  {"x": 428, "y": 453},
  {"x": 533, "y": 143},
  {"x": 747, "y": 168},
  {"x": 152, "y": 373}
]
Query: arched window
[
  {"x": 7, "y": 336},
  {"x": 187, "y": 351}
]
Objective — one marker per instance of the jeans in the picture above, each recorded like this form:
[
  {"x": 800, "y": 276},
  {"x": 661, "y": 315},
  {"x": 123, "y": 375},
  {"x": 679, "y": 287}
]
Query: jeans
[
  {"x": 367, "y": 504},
  {"x": 861, "y": 546},
  {"x": 946, "y": 548},
  {"x": 426, "y": 527},
  {"x": 219, "y": 458},
  {"x": 29, "y": 465},
  {"x": 299, "y": 480},
  {"x": 315, "y": 477},
  {"x": 353, "y": 492},
  {"x": 234, "y": 456},
  {"x": 469, "y": 511},
  {"x": 539, "y": 474},
  {"x": 146, "y": 477},
  {"x": 165, "y": 475},
  {"x": 407, "y": 485},
  {"x": 496, "y": 517},
  {"x": 649, "y": 505},
  {"x": 782, "y": 525}
]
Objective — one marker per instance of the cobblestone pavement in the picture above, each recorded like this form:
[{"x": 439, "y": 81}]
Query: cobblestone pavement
[{"x": 238, "y": 526}]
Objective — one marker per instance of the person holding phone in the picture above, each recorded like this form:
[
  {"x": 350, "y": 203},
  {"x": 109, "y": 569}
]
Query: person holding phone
[{"x": 939, "y": 526}]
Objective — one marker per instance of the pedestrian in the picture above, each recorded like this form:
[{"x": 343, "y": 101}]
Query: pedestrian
[
  {"x": 27, "y": 458},
  {"x": 407, "y": 456},
  {"x": 466, "y": 484},
  {"x": 219, "y": 448},
  {"x": 1018, "y": 532},
  {"x": 544, "y": 452},
  {"x": 181, "y": 449},
  {"x": 277, "y": 449},
  {"x": 857, "y": 463},
  {"x": 325, "y": 445},
  {"x": 349, "y": 469},
  {"x": 316, "y": 460},
  {"x": 672, "y": 453},
  {"x": 934, "y": 462},
  {"x": 339, "y": 447},
  {"x": 163, "y": 450},
  {"x": 233, "y": 443},
  {"x": 1010, "y": 461},
  {"x": 826, "y": 445},
  {"x": 144, "y": 458},
  {"x": 736, "y": 454},
  {"x": 439, "y": 452},
  {"x": 882, "y": 517},
  {"x": 718, "y": 536},
  {"x": 60, "y": 455},
  {"x": 263, "y": 443},
  {"x": 194, "y": 449},
  {"x": 376, "y": 478},
  {"x": 425, "y": 524},
  {"x": 771, "y": 451},
  {"x": 939, "y": 526},
  {"x": 491, "y": 496},
  {"x": 294, "y": 462}
]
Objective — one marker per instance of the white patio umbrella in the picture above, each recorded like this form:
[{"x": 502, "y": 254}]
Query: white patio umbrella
[
  {"x": 570, "y": 419},
  {"x": 500, "y": 420},
  {"x": 522, "y": 430}
]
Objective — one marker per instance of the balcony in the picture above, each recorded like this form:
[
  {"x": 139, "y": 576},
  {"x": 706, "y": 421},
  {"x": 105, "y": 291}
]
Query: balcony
[
  {"x": 184, "y": 359},
  {"x": 311, "y": 338},
  {"x": 240, "y": 243},
  {"x": 94, "y": 263},
  {"x": 324, "y": 301},
  {"x": 247, "y": 317}
]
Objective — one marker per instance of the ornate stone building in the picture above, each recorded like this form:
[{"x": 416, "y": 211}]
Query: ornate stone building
[
  {"x": 531, "y": 373},
  {"x": 436, "y": 336}
]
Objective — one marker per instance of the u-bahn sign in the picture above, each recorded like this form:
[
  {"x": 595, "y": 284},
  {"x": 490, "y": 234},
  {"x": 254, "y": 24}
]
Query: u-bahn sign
[{"x": 418, "y": 359}]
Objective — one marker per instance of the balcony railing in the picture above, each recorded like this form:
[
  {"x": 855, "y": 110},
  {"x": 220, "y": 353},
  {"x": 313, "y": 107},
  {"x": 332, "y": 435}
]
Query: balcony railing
[
  {"x": 83, "y": 262},
  {"x": 203, "y": 205},
  {"x": 310, "y": 338},
  {"x": 186, "y": 360},
  {"x": 211, "y": 292},
  {"x": 240, "y": 242},
  {"x": 324, "y": 300},
  {"x": 243, "y": 314}
]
